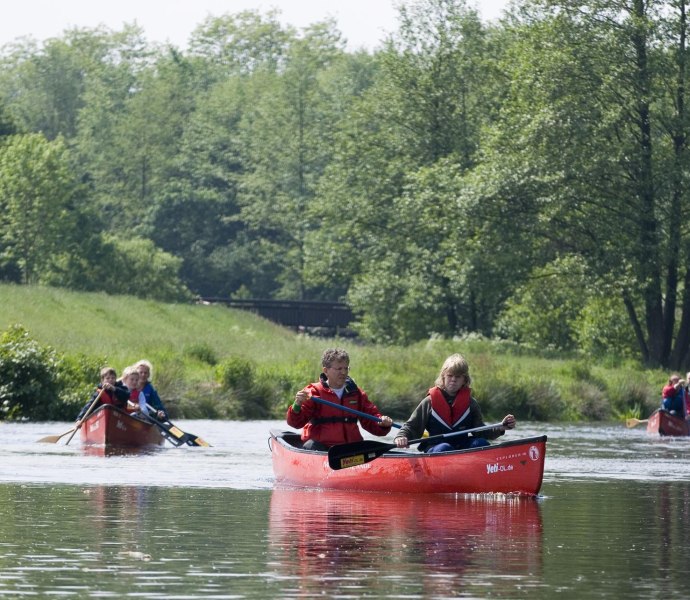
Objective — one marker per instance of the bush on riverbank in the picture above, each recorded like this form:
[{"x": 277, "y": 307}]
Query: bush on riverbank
[{"x": 215, "y": 362}]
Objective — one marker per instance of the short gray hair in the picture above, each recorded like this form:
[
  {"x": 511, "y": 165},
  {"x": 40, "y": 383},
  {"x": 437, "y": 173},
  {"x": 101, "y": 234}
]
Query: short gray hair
[{"x": 332, "y": 355}]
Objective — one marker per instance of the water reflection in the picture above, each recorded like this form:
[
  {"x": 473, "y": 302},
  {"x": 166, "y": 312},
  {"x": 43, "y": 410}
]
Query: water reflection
[{"x": 436, "y": 542}]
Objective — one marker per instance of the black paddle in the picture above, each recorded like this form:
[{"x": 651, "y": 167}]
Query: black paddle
[
  {"x": 359, "y": 413},
  {"x": 342, "y": 456},
  {"x": 174, "y": 434}
]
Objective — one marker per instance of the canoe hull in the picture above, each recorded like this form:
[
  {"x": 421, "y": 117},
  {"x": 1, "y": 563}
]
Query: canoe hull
[
  {"x": 661, "y": 422},
  {"x": 513, "y": 467},
  {"x": 111, "y": 427}
]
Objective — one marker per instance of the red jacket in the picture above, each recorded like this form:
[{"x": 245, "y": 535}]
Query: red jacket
[{"x": 330, "y": 425}]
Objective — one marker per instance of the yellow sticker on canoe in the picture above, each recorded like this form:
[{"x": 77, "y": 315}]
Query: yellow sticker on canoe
[{"x": 352, "y": 461}]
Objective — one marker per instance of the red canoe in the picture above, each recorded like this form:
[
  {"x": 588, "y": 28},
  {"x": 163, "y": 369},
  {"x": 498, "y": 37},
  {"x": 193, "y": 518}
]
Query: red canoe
[
  {"x": 111, "y": 427},
  {"x": 512, "y": 467},
  {"x": 662, "y": 422}
]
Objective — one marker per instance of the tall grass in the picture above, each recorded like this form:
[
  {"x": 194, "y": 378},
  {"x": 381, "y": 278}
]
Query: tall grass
[{"x": 195, "y": 348}]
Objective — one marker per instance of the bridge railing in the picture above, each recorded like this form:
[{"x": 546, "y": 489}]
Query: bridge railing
[{"x": 294, "y": 313}]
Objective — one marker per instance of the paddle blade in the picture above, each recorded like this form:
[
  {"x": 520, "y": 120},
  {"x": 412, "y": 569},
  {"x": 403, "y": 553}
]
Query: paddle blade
[
  {"x": 632, "y": 422},
  {"x": 176, "y": 436},
  {"x": 343, "y": 456},
  {"x": 197, "y": 441},
  {"x": 53, "y": 439}
]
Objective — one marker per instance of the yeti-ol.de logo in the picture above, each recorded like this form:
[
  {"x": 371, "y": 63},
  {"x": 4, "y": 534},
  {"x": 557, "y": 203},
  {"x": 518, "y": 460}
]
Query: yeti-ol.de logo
[
  {"x": 533, "y": 452},
  {"x": 496, "y": 468}
]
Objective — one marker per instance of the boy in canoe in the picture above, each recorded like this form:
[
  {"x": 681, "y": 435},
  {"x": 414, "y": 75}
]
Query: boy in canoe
[
  {"x": 447, "y": 408},
  {"x": 324, "y": 425},
  {"x": 110, "y": 392}
]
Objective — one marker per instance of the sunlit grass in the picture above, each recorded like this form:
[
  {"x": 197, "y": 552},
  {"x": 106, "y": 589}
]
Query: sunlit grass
[{"x": 186, "y": 343}]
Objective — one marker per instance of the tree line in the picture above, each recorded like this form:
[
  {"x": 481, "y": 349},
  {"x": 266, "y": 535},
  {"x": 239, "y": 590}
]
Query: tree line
[{"x": 525, "y": 179}]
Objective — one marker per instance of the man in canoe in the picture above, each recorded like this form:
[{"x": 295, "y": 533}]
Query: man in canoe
[
  {"x": 325, "y": 425},
  {"x": 447, "y": 408}
]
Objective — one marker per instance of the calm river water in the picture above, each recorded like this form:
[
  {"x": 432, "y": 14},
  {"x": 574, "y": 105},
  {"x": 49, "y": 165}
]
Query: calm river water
[{"x": 612, "y": 521}]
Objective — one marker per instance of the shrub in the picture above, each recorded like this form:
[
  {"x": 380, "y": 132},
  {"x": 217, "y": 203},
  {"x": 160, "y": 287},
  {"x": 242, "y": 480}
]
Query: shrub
[
  {"x": 592, "y": 402},
  {"x": 235, "y": 373},
  {"x": 203, "y": 353},
  {"x": 29, "y": 377},
  {"x": 249, "y": 397}
]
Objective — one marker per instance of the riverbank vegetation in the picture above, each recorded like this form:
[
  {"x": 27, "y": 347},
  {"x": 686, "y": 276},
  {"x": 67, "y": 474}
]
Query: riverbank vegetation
[{"x": 215, "y": 362}]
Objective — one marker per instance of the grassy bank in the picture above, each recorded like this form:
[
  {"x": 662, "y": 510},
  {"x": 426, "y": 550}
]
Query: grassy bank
[{"x": 211, "y": 361}]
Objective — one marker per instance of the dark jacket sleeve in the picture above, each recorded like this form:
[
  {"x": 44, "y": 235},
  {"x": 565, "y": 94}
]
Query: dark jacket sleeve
[
  {"x": 84, "y": 408},
  {"x": 414, "y": 427},
  {"x": 477, "y": 420},
  {"x": 121, "y": 395}
]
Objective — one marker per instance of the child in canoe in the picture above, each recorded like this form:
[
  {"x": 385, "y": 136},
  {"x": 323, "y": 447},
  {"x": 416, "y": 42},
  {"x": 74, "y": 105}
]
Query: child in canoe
[
  {"x": 110, "y": 392},
  {"x": 673, "y": 396},
  {"x": 449, "y": 407},
  {"x": 137, "y": 400}
]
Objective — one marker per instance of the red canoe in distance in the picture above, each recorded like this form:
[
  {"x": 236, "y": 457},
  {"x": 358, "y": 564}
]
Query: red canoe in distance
[
  {"x": 661, "y": 422},
  {"x": 321, "y": 536},
  {"x": 512, "y": 467},
  {"x": 111, "y": 427}
]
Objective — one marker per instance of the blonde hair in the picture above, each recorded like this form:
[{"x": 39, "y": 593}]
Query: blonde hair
[
  {"x": 455, "y": 364},
  {"x": 127, "y": 371},
  {"x": 145, "y": 363}
]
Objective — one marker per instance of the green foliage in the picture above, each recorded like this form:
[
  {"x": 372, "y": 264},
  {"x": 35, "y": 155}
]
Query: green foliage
[
  {"x": 239, "y": 377},
  {"x": 202, "y": 352},
  {"x": 37, "y": 193},
  {"x": 523, "y": 179},
  {"x": 78, "y": 376},
  {"x": 542, "y": 311},
  {"x": 603, "y": 327},
  {"x": 29, "y": 377}
]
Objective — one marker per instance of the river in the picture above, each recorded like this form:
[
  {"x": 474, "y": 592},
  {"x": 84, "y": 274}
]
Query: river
[{"x": 612, "y": 521}]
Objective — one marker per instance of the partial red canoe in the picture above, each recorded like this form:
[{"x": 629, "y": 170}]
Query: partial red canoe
[
  {"x": 111, "y": 427},
  {"x": 662, "y": 422},
  {"x": 512, "y": 467}
]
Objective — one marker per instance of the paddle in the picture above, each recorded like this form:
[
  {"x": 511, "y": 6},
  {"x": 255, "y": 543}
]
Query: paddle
[
  {"x": 342, "y": 456},
  {"x": 80, "y": 422},
  {"x": 174, "y": 434},
  {"x": 53, "y": 439},
  {"x": 632, "y": 421},
  {"x": 350, "y": 410}
]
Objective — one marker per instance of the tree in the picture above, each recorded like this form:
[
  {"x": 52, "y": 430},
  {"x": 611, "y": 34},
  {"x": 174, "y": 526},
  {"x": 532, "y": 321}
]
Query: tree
[
  {"x": 590, "y": 149},
  {"x": 37, "y": 201},
  {"x": 402, "y": 153}
]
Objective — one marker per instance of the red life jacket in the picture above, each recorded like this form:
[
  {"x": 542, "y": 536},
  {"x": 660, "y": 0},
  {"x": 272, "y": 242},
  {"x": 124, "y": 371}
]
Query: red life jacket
[
  {"x": 446, "y": 417},
  {"x": 108, "y": 397},
  {"x": 333, "y": 426}
]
